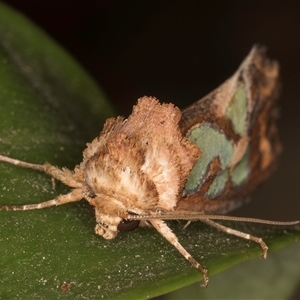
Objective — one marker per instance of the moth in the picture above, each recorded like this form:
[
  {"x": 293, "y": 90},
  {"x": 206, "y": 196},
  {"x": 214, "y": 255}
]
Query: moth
[{"x": 162, "y": 163}]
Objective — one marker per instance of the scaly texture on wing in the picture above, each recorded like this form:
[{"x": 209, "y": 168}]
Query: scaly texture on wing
[{"x": 235, "y": 129}]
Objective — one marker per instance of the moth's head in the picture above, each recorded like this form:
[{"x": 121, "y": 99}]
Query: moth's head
[
  {"x": 110, "y": 230},
  {"x": 110, "y": 218}
]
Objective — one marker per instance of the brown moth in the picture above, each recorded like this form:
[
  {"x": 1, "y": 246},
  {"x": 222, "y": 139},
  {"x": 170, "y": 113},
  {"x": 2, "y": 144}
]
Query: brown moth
[{"x": 161, "y": 163}]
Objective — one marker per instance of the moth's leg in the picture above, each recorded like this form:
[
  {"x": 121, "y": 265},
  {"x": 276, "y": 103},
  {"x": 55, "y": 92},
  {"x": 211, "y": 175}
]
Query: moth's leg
[
  {"x": 64, "y": 175},
  {"x": 240, "y": 234},
  {"x": 186, "y": 225},
  {"x": 53, "y": 183},
  {"x": 21, "y": 163},
  {"x": 167, "y": 233},
  {"x": 73, "y": 196}
]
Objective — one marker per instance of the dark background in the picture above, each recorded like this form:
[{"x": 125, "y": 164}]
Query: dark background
[{"x": 180, "y": 50}]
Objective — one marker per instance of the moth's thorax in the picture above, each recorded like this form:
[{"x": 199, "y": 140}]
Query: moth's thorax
[
  {"x": 134, "y": 166},
  {"x": 113, "y": 178},
  {"x": 143, "y": 163}
]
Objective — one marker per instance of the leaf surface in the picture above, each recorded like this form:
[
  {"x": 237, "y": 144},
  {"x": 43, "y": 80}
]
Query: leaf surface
[{"x": 49, "y": 109}]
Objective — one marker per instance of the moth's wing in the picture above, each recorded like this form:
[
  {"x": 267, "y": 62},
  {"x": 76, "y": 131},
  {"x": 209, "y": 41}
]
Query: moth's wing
[{"x": 235, "y": 129}]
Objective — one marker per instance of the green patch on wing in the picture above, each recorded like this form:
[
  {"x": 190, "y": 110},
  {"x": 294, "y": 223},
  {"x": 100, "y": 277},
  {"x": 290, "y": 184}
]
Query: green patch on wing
[
  {"x": 237, "y": 111},
  {"x": 242, "y": 170},
  {"x": 212, "y": 143},
  {"x": 218, "y": 185}
]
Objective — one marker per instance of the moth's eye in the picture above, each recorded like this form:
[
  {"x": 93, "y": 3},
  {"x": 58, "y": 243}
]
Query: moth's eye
[{"x": 128, "y": 225}]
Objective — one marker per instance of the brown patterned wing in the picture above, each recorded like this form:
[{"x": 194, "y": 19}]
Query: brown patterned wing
[{"x": 235, "y": 129}]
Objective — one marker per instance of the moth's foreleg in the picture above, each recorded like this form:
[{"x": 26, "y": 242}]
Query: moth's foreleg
[
  {"x": 167, "y": 233},
  {"x": 21, "y": 163},
  {"x": 73, "y": 196},
  {"x": 240, "y": 234},
  {"x": 64, "y": 175}
]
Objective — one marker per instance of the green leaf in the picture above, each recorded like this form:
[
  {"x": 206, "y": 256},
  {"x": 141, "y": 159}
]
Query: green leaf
[
  {"x": 274, "y": 278},
  {"x": 49, "y": 109}
]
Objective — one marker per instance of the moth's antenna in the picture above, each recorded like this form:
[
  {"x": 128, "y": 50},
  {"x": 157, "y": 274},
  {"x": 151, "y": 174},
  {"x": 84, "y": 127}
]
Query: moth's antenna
[{"x": 199, "y": 217}]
